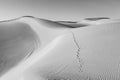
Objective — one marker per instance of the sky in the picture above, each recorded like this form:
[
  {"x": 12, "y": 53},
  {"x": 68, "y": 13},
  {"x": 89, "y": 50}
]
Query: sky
[{"x": 60, "y": 9}]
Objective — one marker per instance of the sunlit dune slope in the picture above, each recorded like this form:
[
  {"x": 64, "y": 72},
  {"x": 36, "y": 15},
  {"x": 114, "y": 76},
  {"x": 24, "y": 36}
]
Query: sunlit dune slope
[{"x": 96, "y": 58}]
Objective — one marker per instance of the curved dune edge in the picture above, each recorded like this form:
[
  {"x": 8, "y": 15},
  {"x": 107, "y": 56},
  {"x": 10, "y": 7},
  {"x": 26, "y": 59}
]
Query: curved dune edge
[
  {"x": 17, "y": 42},
  {"x": 20, "y": 39}
]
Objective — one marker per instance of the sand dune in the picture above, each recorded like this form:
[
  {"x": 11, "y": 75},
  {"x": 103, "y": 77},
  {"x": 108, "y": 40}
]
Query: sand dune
[
  {"x": 17, "y": 41},
  {"x": 40, "y": 49}
]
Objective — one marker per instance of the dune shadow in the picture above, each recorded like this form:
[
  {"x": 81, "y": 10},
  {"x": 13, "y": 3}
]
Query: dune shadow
[{"x": 17, "y": 42}]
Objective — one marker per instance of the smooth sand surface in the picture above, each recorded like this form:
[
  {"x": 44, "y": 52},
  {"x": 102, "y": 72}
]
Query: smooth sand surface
[{"x": 17, "y": 41}]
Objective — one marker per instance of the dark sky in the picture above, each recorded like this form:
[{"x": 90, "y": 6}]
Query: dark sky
[{"x": 60, "y": 9}]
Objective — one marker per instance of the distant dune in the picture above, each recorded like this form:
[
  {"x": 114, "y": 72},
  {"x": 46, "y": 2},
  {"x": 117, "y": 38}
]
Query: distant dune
[
  {"x": 39, "y": 49},
  {"x": 96, "y": 18}
]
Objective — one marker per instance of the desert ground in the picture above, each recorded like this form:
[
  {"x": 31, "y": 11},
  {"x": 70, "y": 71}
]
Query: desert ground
[{"x": 38, "y": 49}]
